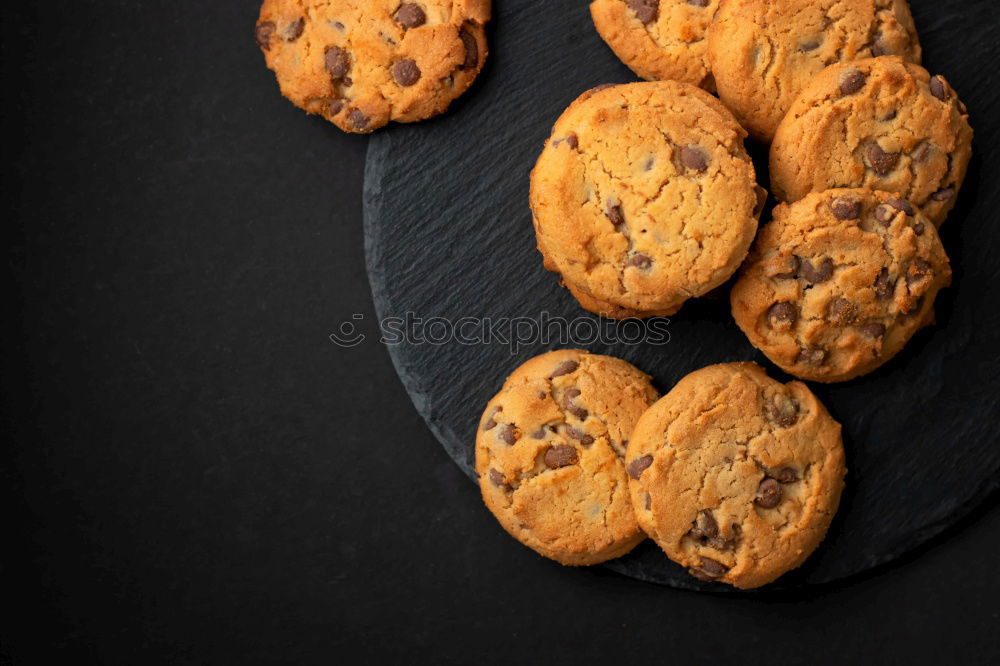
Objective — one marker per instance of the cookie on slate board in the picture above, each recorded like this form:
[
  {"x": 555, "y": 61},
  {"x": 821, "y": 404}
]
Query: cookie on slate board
[
  {"x": 643, "y": 197},
  {"x": 735, "y": 475},
  {"x": 839, "y": 282},
  {"x": 360, "y": 65},
  {"x": 880, "y": 124},
  {"x": 658, "y": 39},
  {"x": 764, "y": 52},
  {"x": 549, "y": 455}
]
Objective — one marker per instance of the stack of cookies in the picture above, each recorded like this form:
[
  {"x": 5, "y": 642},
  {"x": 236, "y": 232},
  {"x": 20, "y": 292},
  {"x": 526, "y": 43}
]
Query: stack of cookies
[{"x": 644, "y": 196}]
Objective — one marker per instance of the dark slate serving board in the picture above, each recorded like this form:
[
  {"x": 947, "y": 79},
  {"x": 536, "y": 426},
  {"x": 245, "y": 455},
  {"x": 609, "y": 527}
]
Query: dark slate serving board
[{"x": 448, "y": 234}]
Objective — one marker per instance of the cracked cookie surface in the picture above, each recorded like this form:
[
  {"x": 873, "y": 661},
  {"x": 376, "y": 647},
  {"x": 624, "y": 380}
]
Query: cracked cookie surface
[
  {"x": 735, "y": 475},
  {"x": 362, "y": 63},
  {"x": 881, "y": 124},
  {"x": 839, "y": 281},
  {"x": 658, "y": 39},
  {"x": 549, "y": 452},
  {"x": 764, "y": 52},
  {"x": 644, "y": 196}
]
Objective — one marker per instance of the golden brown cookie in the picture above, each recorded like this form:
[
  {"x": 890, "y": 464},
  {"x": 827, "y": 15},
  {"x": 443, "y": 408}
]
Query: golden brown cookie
[
  {"x": 549, "y": 452},
  {"x": 881, "y": 124},
  {"x": 839, "y": 282},
  {"x": 658, "y": 39},
  {"x": 362, "y": 64},
  {"x": 764, "y": 52},
  {"x": 736, "y": 476},
  {"x": 644, "y": 196}
]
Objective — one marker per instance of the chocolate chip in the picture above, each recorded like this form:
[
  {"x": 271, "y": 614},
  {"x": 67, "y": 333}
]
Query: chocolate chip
[
  {"x": 335, "y": 106},
  {"x": 506, "y": 434},
  {"x": 786, "y": 475},
  {"x": 263, "y": 34},
  {"x": 579, "y": 435},
  {"x": 698, "y": 3},
  {"x": 294, "y": 30},
  {"x": 490, "y": 422},
  {"x": 497, "y": 479},
  {"x": 873, "y": 330},
  {"x": 410, "y": 15},
  {"x": 918, "y": 228},
  {"x": 471, "y": 47},
  {"x": 811, "y": 356},
  {"x": 921, "y": 153},
  {"x": 358, "y": 119},
  {"x": 572, "y": 141},
  {"x": 918, "y": 271},
  {"x": 768, "y": 494},
  {"x": 638, "y": 466},
  {"x": 694, "y": 158},
  {"x": 851, "y": 81},
  {"x": 793, "y": 268},
  {"x": 901, "y": 204},
  {"x": 783, "y": 314},
  {"x": 943, "y": 194},
  {"x": 846, "y": 208},
  {"x": 939, "y": 88},
  {"x": 539, "y": 434},
  {"x": 705, "y": 526},
  {"x": 884, "y": 214},
  {"x": 709, "y": 570},
  {"x": 884, "y": 286},
  {"x": 913, "y": 310},
  {"x": 560, "y": 456},
  {"x": 640, "y": 261},
  {"x": 881, "y": 161},
  {"x": 816, "y": 275},
  {"x": 564, "y": 368},
  {"x": 337, "y": 61},
  {"x": 784, "y": 410},
  {"x": 615, "y": 214},
  {"x": 570, "y": 406},
  {"x": 879, "y": 48},
  {"x": 406, "y": 72},
  {"x": 842, "y": 311},
  {"x": 645, "y": 10},
  {"x": 810, "y": 46}
]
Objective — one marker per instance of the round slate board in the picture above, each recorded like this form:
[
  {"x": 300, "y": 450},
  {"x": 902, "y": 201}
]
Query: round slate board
[{"x": 448, "y": 234}]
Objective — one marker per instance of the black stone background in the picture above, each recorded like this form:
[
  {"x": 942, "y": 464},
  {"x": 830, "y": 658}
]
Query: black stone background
[{"x": 193, "y": 473}]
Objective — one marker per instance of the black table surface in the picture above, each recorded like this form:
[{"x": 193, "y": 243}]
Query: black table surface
[{"x": 197, "y": 474}]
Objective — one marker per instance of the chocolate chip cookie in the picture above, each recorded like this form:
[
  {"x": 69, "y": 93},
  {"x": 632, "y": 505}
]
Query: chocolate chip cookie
[
  {"x": 880, "y": 123},
  {"x": 839, "y": 282},
  {"x": 764, "y": 52},
  {"x": 360, "y": 65},
  {"x": 644, "y": 196},
  {"x": 658, "y": 39},
  {"x": 736, "y": 476},
  {"x": 549, "y": 455}
]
